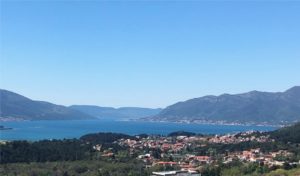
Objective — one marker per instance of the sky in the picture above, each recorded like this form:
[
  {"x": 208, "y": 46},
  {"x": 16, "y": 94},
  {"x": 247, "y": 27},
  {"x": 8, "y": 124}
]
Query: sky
[{"x": 147, "y": 53}]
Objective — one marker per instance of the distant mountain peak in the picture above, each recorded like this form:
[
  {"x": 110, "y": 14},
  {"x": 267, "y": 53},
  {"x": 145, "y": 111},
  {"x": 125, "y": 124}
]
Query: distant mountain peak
[
  {"x": 295, "y": 89},
  {"x": 6, "y": 94}
]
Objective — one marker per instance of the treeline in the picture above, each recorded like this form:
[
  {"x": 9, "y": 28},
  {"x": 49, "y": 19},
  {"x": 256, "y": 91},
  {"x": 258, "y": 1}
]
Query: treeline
[
  {"x": 290, "y": 134},
  {"x": 74, "y": 168},
  {"x": 181, "y": 133},
  {"x": 58, "y": 150},
  {"x": 45, "y": 150},
  {"x": 100, "y": 138}
]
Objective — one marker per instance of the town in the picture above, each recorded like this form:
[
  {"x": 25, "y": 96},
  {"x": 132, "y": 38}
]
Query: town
[{"x": 180, "y": 154}]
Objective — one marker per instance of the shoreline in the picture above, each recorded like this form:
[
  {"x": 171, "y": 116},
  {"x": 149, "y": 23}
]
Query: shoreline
[
  {"x": 216, "y": 123},
  {"x": 162, "y": 121}
]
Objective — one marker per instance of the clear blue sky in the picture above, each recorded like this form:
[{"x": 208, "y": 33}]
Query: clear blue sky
[{"x": 148, "y": 54}]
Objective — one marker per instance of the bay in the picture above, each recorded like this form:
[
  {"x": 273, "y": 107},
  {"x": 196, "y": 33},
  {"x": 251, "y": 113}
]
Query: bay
[{"x": 38, "y": 130}]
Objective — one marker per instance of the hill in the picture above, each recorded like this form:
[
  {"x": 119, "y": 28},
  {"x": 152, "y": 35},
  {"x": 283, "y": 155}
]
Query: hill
[
  {"x": 13, "y": 105},
  {"x": 100, "y": 138},
  {"x": 287, "y": 134},
  {"x": 116, "y": 113},
  {"x": 252, "y": 107}
]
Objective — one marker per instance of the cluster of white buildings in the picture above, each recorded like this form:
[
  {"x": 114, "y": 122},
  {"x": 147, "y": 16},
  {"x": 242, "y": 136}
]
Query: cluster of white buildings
[{"x": 173, "y": 151}]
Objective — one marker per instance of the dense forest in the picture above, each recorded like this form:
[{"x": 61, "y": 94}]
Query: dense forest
[
  {"x": 289, "y": 134},
  {"x": 59, "y": 150}
]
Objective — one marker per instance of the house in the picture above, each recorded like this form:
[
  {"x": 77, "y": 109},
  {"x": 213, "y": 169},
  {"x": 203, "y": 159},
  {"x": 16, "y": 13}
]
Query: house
[
  {"x": 164, "y": 163},
  {"x": 202, "y": 159},
  {"x": 175, "y": 173},
  {"x": 110, "y": 154},
  {"x": 165, "y": 173}
]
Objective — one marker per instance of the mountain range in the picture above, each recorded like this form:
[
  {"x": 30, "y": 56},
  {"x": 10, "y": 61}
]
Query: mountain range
[
  {"x": 116, "y": 113},
  {"x": 17, "y": 107},
  {"x": 248, "y": 108},
  {"x": 252, "y": 107}
]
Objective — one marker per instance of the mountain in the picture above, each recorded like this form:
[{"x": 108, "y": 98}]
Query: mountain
[
  {"x": 16, "y": 106},
  {"x": 116, "y": 113},
  {"x": 252, "y": 107}
]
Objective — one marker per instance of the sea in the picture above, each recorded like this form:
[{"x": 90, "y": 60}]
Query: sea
[{"x": 67, "y": 129}]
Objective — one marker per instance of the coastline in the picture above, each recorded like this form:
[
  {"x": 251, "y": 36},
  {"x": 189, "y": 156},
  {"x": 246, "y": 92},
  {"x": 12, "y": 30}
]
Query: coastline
[{"x": 217, "y": 123}]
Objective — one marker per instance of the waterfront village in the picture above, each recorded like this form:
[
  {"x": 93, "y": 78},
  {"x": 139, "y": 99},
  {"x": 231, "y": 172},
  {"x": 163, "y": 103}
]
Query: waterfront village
[{"x": 177, "y": 152}]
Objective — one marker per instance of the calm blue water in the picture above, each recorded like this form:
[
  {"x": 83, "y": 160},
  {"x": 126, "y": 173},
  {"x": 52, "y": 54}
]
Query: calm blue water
[{"x": 36, "y": 130}]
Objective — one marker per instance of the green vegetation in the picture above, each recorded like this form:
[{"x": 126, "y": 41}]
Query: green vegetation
[
  {"x": 99, "y": 154},
  {"x": 84, "y": 167},
  {"x": 282, "y": 172},
  {"x": 244, "y": 169},
  {"x": 100, "y": 138},
  {"x": 130, "y": 168},
  {"x": 46, "y": 150},
  {"x": 290, "y": 134},
  {"x": 59, "y": 150}
]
